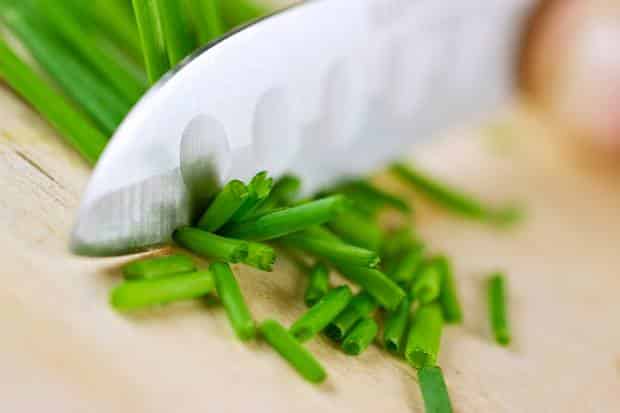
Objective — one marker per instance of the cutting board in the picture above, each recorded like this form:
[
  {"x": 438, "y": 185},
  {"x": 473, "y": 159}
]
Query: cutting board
[{"x": 63, "y": 349}]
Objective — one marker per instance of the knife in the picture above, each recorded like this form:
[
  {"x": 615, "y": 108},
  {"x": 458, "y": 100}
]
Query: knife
[{"x": 323, "y": 90}]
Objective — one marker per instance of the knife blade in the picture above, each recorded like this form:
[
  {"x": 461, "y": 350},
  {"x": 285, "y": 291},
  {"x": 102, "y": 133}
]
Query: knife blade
[{"x": 323, "y": 90}]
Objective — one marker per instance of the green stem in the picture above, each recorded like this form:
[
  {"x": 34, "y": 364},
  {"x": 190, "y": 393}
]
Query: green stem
[
  {"x": 395, "y": 327},
  {"x": 406, "y": 267},
  {"x": 373, "y": 195},
  {"x": 498, "y": 309},
  {"x": 434, "y": 390},
  {"x": 424, "y": 336},
  {"x": 210, "y": 245},
  {"x": 358, "y": 229},
  {"x": 318, "y": 284},
  {"x": 321, "y": 314},
  {"x": 449, "y": 298},
  {"x": 282, "y": 194},
  {"x": 259, "y": 189},
  {"x": 360, "y": 337},
  {"x": 177, "y": 36},
  {"x": 237, "y": 12},
  {"x": 158, "y": 267},
  {"x": 209, "y": 22},
  {"x": 426, "y": 286},
  {"x": 151, "y": 38},
  {"x": 360, "y": 306},
  {"x": 260, "y": 256},
  {"x": 224, "y": 206}
]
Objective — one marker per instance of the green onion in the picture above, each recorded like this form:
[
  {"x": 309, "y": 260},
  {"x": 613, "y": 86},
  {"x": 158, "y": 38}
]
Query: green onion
[
  {"x": 210, "y": 245},
  {"x": 359, "y": 307},
  {"x": 71, "y": 124},
  {"x": 152, "y": 39},
  {"x": 358, "y": 229},
  {"x": 133, "y": 295},
  {"x": 177, "y": 35},
  {"x": 289, "y": 220},
  {"x": 424, "y": 336},
  {"x": 258, "y": 190},
  {"x": 369, "y": 193},
  {"x": 209, "y": 23},
  {"x": 405, "y": 268},
  {"x": 292, "y": 351},
  {"x": 232, "y": 299},
  {"x": 498, "y": 309},
  {"x": 426, "y": 286},
  {"x": 158, "y": 267},
  {"x": 397, "y": 243},
  {"x": 434, "y": 391},
  {"x": 237, "y": 12},
  {"x": 321, "y": 314},
  {"x": 223, "y": 207},
  {"x": 318, "y": 284},
  {"x": 282, "y": 194},
  {"x": 449, "y": 299},
  {"x": 260, "y": 256},
  {"x": 395, "y": 327},
  {"x": 387, "y": 293},
  {"x": 358, "y": 340},
  {"x": 454, "y": 200}
]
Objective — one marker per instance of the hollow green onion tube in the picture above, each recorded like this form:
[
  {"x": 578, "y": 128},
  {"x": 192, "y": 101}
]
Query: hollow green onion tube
[
  {"x": 210, "y": 245},
  {"x": 230, "y": 294},
  {"x": 289, "y": 220},
  {"x": 283, "y": 193},
  {"x": 134, "y": 295},
  {"x": 158, "y": 267},
  {"x": 318, "y": 284},
  {"x": 395, "y": 327},
  {"x": 405, "y": 268},
  {"x": 424, "y": 336},
  {"x": 498, "y": 309},
  {"x": 434, "y": 390},
  {"x": 449, "y": 298},
  {"x": 361, "y": 306},
  {"x": 360, "y": 337},
  {"x": 385, "y": 291},
  {"x": 397, "y": 243},
  {"x": 292, "y": 351},
  {"x": 374, "y": 195},
  {"x": 260, "y": 256},
  {"x": 152, "y": 39},
  {"x": 224, "y": 206},
  {"x": 178, "y": 37},
  {"x": 426, "y": 286},
  {"x": 259, "y": 189},
  {"x": 358, "y": 229},
  {"x": 321, "y": 314}
]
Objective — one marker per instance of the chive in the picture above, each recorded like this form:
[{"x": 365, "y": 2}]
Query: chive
[
  {"x": 498, "y": 309},
  {"x": 395, "y": 327},
  {"x": 318, "y": 284},
  {"x": 424, "y": 336},
  {"x": 209, "y": 23},
  {"x": 133, "y": 295},
  {"x": 258, "y": 190},
  {"x": 158, "y": 267},
  {"x": 72, "y": 125},
  {"x": 151, "y": 38},
  {"x": 260, "y": 256},
  {"x": 358, "y": 229},
  {"x": 177, "y": 36},
  {"x": 452, "y": 199},
  {"x": 397, "y": 243},
  {"x": 321, "y": 314},
  {"x": 237, "y": 12},
  {"x": 223, "y": 207},
  {"x": 387, "y": 293},
  {"x": 426, "y": 286},
  {"x": 230, "y": 294},
  {"x": 282, "y": 194},
  {"x": 289, "y": 220},
  {"x": 434, "y": 391},
  {"x": 371, "y": 194},
  {"x": 292, "y": 351},
  {"x": 449, "y": 299},
  {"x": 358, "y": 340},
  {"x": 405, "y": 268},
  {"x": 359, "y": 307},
  {"x": 210, "y": 245}
]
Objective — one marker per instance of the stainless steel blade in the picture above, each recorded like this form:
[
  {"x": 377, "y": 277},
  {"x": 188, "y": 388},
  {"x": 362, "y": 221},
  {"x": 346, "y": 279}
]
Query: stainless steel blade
[{"x": 322, "y": 90}]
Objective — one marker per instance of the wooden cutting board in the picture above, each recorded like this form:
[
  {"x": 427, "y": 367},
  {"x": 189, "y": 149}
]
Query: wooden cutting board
[{"x": 62, "y": 349}]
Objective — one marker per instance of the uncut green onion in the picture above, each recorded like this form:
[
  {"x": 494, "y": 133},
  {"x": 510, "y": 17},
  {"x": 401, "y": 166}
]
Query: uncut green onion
[
  {"x": 406, "y": 267},
  {"x": 360, "y": 337},
  {"x": 158, "y": 267},
  {"x": 387, "y": 293},
  {"x": 210, "y": 245},
  {"x": 224, "y": 206},
  {"x": 260, "y": 256},
  {"x": 321, "y": 314},
  {"x": 282, "y": 194},
  {"x": 72, "y": 125},
  {"x": 358, "y": 229},
  {"x": 237, "y": 12},
  {"x": 360, "y": 306},
  {"x": 259, "y": 189},
  {"x": 208, "y": 21},
  {"x": 230, "y": 294},
  {"x": 434, "y": 390},
  {"x": 292, "y": 351},
  {"x": 426, "y": 286},
  {"x": 318, "y": 284},
  {"x": 395, "y": 327},
  {"x": 279, "y": 223},
  {"x": 424, "y": 336},
  {"x": 134, "y": 295},
  {"x": 453, "y": 199},
  {"x": 498, "y": 309},
  {"x": 449, "y": 299},
  {"x": 374, "y": 195},
  {"x": 152, "y": 39},
  {"x": 177, "y": 35}
]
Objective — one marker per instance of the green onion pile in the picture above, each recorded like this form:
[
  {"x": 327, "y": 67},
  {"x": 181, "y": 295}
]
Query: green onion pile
[{"x": 401, "y": 295}]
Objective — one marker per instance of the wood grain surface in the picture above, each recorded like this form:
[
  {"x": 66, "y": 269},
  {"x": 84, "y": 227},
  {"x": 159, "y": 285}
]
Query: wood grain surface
[{"x": 62, "y": 349}]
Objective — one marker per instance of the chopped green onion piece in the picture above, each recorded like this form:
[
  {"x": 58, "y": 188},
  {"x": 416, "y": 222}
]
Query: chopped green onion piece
[
  {"x": 434, "y": 390},
  {"x": 237, "y": 12},
  {"x": 358, "y": 229},
  {"x": 210, "y": 245},
  {"x": 360, "y": 337},
  {"x": 230, "y": 294},
  {"x": 152, "y": 38},
  {"x": 318, "y": 284},
  {"x": 359, "y": 307},
  {"x": 387, "y": 293},
  {"x": 72, "y": 125},
  {"x": 258, "y": 190},
  {"x": 397, "y": 243},
  {"x": 424, "y": 336},
  {"x": 282, "y": 194},
  {"x": 224, "y": 206},
  {"x": 260, "y": 256},
  {"x": 134, "y": 295},
  {"x": 449, "y": 299},
  {"x": 177, "y": 36},
  {"x": 426, "y": 286},
  {"x": 498, "y": 309},
  {"x": 321, "y": 314},
  {"x": 209, "y": 22},
  {"x": 292, "y": 351},
  {"x": 395, "y": 327},
  {"x": 374, "y": 195},
  {"x": 158, "y": 267},
  {"x": 289, "y": 220},
  {"x": 405, "y": 269}
]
